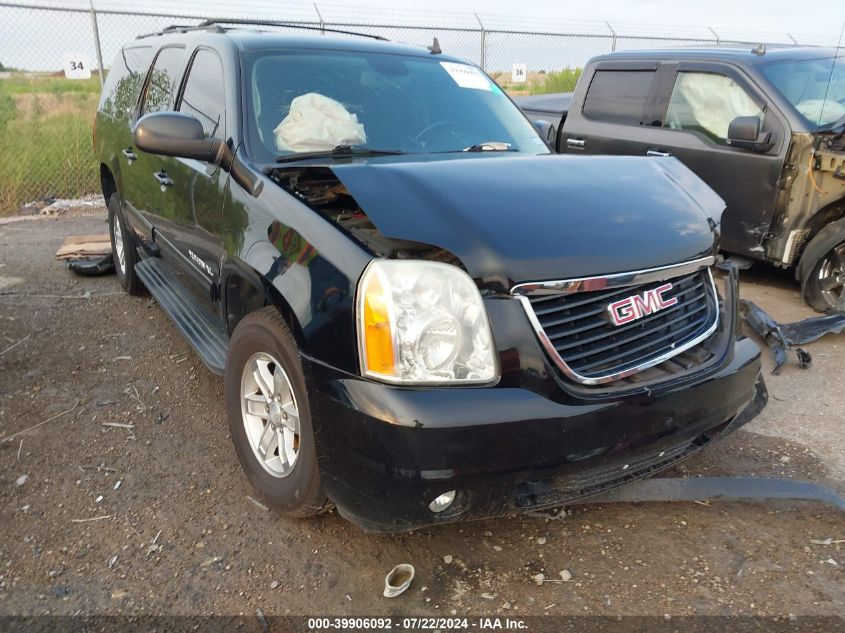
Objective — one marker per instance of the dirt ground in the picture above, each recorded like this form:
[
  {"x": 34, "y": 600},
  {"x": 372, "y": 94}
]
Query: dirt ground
[{"x": 156, "y": 517}]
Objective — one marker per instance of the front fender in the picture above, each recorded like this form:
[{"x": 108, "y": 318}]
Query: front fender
[
  {"x": 304, "y": 265},
  {"x": 316, "y": 295}
]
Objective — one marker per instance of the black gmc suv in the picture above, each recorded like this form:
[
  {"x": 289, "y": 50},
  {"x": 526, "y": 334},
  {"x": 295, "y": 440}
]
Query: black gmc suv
[{"x": 421, "y": 314}]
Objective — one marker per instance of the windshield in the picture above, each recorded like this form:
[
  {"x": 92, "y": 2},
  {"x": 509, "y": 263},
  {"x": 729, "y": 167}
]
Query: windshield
[
  {"x": 313, "y": 101},
  {"x": 805, "y": 84}
]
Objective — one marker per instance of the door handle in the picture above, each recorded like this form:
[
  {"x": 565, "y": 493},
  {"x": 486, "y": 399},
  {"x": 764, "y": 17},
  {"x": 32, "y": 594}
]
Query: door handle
[
  {"x": 163, "y": 179},
  {"x": 657, "y": 152},
  {"x": 575, "y": 142},
  {"x": 130, "y": 155}
]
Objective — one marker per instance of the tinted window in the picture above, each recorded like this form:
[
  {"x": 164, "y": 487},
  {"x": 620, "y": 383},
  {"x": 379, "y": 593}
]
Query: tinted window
[
  {"x": 204, "y": 97},
  {"x": 816, "y": 87},
  {"x": 707, "y": 103},
  {"x": 618, "y": 95},
  {"x": 124, "y": 80},
  {"x": 162, "y": 78}
]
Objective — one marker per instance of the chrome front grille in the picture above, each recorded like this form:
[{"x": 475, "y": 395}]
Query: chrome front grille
[{"x": 573, "y": 323}]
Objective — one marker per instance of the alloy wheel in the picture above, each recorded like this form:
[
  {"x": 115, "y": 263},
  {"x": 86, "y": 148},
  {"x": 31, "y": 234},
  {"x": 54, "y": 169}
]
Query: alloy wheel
[
  {"x": 831, "y": 278},
  {"x": 117, "y": 233},
  {"x": 270, "y": 414}
]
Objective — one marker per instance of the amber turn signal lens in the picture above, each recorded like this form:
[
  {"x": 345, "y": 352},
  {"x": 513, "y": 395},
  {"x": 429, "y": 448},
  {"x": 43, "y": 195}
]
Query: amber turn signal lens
[{"x": 378, "y": 338}]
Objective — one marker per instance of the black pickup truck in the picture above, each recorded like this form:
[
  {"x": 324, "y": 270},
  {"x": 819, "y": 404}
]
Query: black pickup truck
[
  {"x": 764, "y": 128},
  {"x": 422, "y": 315}
]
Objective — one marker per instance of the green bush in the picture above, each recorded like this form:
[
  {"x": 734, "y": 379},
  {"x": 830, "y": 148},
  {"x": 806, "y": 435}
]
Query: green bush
[
  {"x": 557, "y": 81},
  {"x": 46, "y": 125}
]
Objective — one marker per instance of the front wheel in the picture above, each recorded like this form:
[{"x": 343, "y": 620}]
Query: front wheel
[
  {"x": 269, "y": 416},
  {"x": 822, "y": 269}
]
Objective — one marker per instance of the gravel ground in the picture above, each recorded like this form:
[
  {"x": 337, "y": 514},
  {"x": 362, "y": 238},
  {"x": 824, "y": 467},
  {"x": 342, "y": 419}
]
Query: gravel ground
[{"x": 128, "y": 499}]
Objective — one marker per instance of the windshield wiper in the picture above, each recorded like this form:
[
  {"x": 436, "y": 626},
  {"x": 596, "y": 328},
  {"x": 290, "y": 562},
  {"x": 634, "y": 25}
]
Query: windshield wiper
[
  {"x": 341, "y": 151},
  {"x": 490, "y": 146},
  {"x": 830, "y": 127}
]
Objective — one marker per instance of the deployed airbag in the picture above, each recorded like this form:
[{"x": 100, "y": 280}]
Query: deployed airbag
[
  {"x": 715, "y": 100},
  {"x": 821, "y": 111},
  {"x": 317, "y": 123}
]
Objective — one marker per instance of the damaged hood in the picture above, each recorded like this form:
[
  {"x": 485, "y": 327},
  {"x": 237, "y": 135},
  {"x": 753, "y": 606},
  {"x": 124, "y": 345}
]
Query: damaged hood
[{"x": 513, "y": 219}]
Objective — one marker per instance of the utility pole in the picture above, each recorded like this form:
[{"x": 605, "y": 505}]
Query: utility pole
[
  {"x": 320, "y": 17},
  {"x": 613, "y": 35},
  {"x": 716, "y": 35}
]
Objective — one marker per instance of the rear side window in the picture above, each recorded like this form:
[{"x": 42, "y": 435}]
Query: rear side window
[
  {"x": 204, "y": 95},
  {"x": 124, "y": 80},
  {"x": 618, "y": 96},
  {"x": 162, "y": 78}
]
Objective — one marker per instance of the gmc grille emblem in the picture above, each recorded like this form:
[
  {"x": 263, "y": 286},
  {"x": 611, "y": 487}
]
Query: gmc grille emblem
[{"x": 637, "y": 306}]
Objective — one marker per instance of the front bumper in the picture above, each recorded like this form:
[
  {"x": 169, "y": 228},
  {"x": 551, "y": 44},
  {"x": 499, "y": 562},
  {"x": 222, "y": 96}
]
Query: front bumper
[{"x": 386, "y": 452}]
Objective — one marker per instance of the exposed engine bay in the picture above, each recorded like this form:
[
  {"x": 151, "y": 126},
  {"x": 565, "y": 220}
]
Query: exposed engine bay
[
  {"x": 320, "y": 189},
  {"x": 811, "y": 194}
]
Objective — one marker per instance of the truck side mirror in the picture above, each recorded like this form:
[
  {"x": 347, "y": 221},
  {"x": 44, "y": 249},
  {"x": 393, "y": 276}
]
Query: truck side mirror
[
  {"x": 744, "y": 132},
  {"x": 178, "y": 134},
  {"x": 547, "y": 131}
]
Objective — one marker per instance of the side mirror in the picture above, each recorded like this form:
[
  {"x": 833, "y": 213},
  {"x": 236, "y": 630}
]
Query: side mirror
[
  {"x": 547, "y": 131},
  {"x": 177, "y": 134},
  {"x": 744, "y": 132}
]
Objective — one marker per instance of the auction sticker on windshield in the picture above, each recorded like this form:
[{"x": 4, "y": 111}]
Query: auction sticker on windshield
[{"x": 467, "y": 76}]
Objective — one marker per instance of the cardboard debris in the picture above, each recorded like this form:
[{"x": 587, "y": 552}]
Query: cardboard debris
[{"x": 84, "y": 246}]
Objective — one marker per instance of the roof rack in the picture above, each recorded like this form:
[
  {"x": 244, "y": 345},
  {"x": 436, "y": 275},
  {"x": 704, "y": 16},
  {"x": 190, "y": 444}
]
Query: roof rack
[
  {"x": 290, "y": 25},
  {"x": 183, "y": 28}
]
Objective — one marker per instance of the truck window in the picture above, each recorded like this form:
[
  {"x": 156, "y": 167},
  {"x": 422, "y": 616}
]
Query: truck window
[
  {"x": 204, "y": 96},
  {"x": 707, "y": 103},
  {"x": 618, "y": 96},
  {"x": 816, "y": 87},
  {"x": 124, "y": 80},
  {"x": 162, "y": 77}
]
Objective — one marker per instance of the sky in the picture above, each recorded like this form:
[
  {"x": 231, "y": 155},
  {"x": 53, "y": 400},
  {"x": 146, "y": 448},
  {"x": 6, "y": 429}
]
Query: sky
[
  {"x": 825, "y": 18},
  {"x": 37, "y": 40}
]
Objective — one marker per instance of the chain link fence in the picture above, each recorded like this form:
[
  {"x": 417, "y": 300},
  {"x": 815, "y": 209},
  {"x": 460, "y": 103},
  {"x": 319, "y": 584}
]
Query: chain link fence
[{"x": 46, "y": 119}]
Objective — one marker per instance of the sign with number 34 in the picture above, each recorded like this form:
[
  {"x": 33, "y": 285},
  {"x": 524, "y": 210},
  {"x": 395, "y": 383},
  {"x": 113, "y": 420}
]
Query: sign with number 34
[{"x": 76, "y": 66}]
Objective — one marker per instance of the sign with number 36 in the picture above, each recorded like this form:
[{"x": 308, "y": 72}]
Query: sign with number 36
[{"x": 76, "y": 66}]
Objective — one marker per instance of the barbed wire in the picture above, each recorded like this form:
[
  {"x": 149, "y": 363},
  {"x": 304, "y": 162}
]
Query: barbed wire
[{"x": 426, "y": 18}]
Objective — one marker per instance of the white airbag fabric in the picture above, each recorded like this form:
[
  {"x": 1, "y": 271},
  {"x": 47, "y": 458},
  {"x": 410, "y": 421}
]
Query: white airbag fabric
[
  {"x": 820, "y": 111},
  {"x": 715, "y": 101},
  {"x": 317, "y": 123}
]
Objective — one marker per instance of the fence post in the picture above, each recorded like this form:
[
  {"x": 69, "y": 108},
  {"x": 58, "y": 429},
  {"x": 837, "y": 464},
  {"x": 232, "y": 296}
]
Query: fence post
[
  {"x": 716, "y": 35},
  {"x": 613, "y": 37},
  {"x": 97, "y": 42},
  {"x": 320, "y": 17},
  {"x": 483, "y": 43}
]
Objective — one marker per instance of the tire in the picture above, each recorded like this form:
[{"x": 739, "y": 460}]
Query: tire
[
  {"x": 822, "y": 269},
  {"x": 124, "y": 250},
  {"x": 289, "y": 482}
]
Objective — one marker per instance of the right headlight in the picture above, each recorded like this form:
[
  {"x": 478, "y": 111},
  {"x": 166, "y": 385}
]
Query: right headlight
[{"x": 422, "y": 322}]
